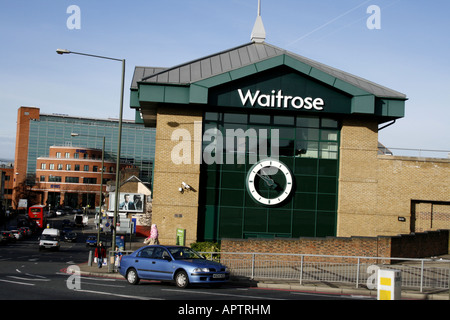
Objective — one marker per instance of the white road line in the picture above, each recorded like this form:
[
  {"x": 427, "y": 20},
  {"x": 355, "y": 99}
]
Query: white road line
[
  {"x": 223, "y": 294},
  {"x": 118, "y": 295},
  {"x": 15, "y": 282},
  {"x": 27, "y": 279},
  {"x": 101, "y": 284},
  {"x": 35, "y": 275}
]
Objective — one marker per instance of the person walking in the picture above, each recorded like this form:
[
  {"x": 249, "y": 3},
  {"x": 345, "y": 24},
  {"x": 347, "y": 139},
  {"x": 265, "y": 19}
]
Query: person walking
[{"x": 100, "y": 254}]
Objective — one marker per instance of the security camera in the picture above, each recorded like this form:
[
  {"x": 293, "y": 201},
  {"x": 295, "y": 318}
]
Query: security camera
[{"x": 185, "y": 185}]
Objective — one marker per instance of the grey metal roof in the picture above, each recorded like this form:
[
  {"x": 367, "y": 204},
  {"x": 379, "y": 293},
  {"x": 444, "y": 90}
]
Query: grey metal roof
[
  {"x": 143, "y": 72},
  {"x": 241, "y": 56}
]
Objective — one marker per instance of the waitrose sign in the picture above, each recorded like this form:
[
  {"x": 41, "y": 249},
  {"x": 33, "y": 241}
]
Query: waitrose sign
[{"x": 277, "y": 100}]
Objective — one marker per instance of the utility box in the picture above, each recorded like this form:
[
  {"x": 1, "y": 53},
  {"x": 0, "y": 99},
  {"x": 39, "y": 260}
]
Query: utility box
[{"x": 389, "y": 285}]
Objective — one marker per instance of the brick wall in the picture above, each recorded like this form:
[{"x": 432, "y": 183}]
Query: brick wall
[
  {"x": 375, "y": 191},
  {"x": 409, "y": 246},
  {"x": 172, "y": 209}
]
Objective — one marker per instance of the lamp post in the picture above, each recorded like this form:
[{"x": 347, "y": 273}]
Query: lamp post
[
  {"x": 101, "y": 182},
  {"x": 119, "y": 142}
]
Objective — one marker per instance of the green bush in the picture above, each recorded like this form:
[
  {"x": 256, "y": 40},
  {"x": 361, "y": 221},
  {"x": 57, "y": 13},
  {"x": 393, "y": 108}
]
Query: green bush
[{"x": 207, "y": 247}]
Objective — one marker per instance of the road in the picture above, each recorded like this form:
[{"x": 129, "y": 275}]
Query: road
[{"x": 29, "y": 274}]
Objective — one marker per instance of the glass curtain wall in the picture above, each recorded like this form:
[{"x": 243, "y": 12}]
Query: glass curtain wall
[{"x": 309, "y": 146}]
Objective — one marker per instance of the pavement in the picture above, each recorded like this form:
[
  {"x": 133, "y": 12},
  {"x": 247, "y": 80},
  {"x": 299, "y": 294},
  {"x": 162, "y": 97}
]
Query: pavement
[{"x": 314, "y": 287}]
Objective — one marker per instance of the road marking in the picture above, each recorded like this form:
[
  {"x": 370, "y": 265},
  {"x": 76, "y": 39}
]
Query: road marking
[
  {"x": 118, "y": 295},
  {"x": 27, "y": 279},
  {"x": 15, "y": 282},
  {"x": 102, "y": 284},
  {"x": 35, "y": 275},
  {"x": 223, "y": 294}
]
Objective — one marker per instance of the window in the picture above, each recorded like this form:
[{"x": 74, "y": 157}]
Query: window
[
  {"x": 77, "y": 167},
  {"x": 43, "y": 166},
  {"x": 76, "y": 155},
  {"x": 308, "y": 145},
  {"x": 90, "y": 180},
  {"x": 54, "y": 179},
  {"x": 60, "y": 166},
  {"x": 160, "y": 253},
  {"x": 86, "y": 167},
  {"x": 52, "y": 166},
  {"x": 95, "y": 168},
  {"x": 42, "y": 179},
  {"x": 68, "y": 167},
  {"x": 67, "y": 155},
  {"x": 146, "y": 253},
  {"x": 58, "y": 155},
  {"x": 72, "y": 179}
]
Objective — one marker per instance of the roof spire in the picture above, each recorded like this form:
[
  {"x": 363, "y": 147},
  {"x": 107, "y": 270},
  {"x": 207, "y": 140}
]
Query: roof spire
[{"x": 258, "y": 32}]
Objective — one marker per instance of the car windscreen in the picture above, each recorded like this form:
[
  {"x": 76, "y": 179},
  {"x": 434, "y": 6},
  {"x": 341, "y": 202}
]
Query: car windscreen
[
  {"x": 180, "y": 253},
  {"x": 49, "y": 237}
]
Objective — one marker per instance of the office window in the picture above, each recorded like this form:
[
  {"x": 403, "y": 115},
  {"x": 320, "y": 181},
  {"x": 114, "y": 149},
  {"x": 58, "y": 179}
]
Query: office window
[
  {"x": 60, "y": 166},
  {"x": 54, "y": 179},
  {"x": 86, "y": 167},
  {"x": 68, "y": 167},
  {"x": 72, "y": 180},
  {"x": 52, "y": 166},
  {"x": 43, "y": 166},
  {"x": 76, "y": 155},
  {"x": 77, "y": 167},
  {"x": 89, "y": 180},
  {"x": 58, "y": 155},
  {"x": 67, "y": 155}
]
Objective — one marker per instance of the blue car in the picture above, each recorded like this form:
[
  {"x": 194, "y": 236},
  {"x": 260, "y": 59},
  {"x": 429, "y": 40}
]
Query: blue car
[{"x": 180, "y": 264}]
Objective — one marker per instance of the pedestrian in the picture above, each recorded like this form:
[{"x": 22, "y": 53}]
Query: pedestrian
[
  {"x": 100, "y": 254},
  {"x": 153, "y": 237},
  {"x": 118, "y": 257}
]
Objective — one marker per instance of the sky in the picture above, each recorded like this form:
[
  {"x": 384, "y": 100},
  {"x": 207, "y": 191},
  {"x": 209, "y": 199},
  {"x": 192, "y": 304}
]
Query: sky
[{"x": 408, "y": 51}]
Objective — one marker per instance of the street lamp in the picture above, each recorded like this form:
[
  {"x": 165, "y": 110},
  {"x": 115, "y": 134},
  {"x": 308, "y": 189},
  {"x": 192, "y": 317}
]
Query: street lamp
[
  {"x": 119, "y": 142},
  {"x": 101, "y": 182}
]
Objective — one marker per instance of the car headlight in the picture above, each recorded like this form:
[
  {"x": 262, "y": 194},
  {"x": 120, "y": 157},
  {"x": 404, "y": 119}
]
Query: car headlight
[{"x": 198, "y": 270}]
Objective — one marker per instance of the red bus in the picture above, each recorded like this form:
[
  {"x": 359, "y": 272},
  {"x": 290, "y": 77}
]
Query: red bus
[{"x": 38, "y": 214}]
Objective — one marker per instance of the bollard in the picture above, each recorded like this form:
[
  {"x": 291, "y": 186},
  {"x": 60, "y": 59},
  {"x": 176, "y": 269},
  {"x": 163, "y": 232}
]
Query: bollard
[
  {"x": 389, "y": 285},
  {"x": 90, "y": 258}
]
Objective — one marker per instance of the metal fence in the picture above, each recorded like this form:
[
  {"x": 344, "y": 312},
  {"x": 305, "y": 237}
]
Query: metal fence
[{"x": 417, "y": 274}]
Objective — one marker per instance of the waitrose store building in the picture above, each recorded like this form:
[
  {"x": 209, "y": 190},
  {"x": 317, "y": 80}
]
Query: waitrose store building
[{"x": 259, "y": 142}]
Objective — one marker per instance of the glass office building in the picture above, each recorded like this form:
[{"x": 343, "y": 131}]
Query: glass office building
[{"x": 138, "y": 142}]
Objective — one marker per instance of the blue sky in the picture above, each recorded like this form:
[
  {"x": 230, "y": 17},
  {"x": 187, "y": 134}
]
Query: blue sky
[{"x": 410, "y": 53}]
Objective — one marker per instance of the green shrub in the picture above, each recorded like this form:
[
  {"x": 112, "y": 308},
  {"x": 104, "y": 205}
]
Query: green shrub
[{"x": 207, "y": 246}]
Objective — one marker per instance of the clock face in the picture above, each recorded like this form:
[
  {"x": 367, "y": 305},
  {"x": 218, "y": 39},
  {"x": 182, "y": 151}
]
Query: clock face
[{"x": 269, "y": 182}]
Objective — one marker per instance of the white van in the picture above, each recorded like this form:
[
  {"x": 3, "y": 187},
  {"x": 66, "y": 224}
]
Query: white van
[{"x": 49, "y": 239}]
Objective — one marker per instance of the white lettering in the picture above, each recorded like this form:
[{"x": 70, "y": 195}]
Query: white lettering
[
  {"x": 74, "y": 281},
  {"x": 372, "y": 279},
  {"x": 248, "y": 96},
  {"x": 277, "y": 100},
  {"x": 374, "y": 21},
  {"x": 296, "y": 105},
  {"x": 318, "y": 104},
  {"x": 74, "y": 21}
]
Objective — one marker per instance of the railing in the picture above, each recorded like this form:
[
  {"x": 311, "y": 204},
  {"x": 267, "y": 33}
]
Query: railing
[
  {"x": 417, "y": 274},
  {"x": 425, "y": 153}
]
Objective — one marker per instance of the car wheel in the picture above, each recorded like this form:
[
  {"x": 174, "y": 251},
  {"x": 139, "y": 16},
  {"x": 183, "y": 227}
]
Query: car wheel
[
  {"x": 132, "y": 276},
  {"x": 181, "y": 279}
]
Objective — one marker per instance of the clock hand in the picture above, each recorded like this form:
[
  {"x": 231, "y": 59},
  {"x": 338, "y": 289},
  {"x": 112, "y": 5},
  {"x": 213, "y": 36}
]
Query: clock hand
[{"x": 269, "y": 181}]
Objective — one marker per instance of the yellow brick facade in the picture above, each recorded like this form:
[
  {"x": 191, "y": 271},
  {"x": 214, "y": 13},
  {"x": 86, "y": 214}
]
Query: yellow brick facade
[
  {"x": 378, "y": 194},
  {"x": 171, "y": 208}
]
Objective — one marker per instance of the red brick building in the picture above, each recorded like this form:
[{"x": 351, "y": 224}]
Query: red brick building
[{"x": 71, "y": 176}]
